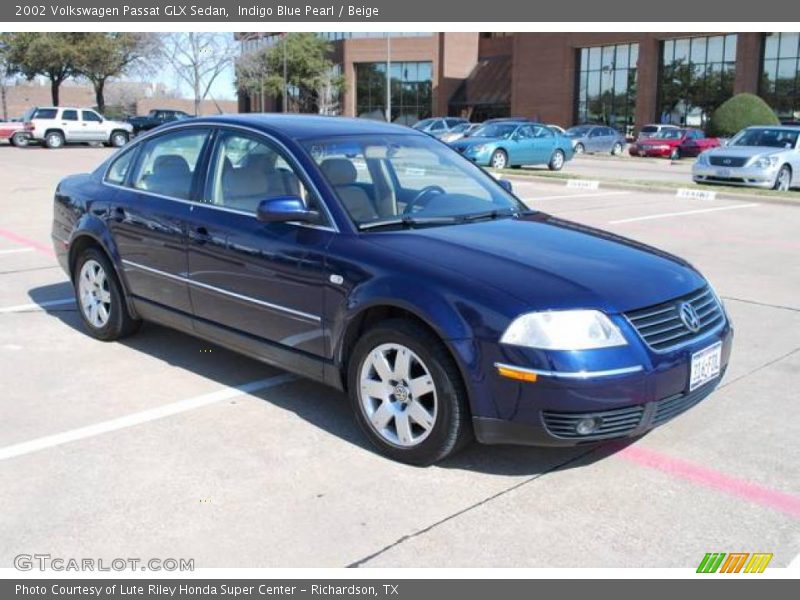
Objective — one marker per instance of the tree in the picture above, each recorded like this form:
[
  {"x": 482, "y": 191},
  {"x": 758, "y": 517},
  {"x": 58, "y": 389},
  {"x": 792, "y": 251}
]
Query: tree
[
  {"x": 313, "y": 84},
  {"x": 198, "y": 59},
  {"x": 4, "y": 73},
  {"x": 102, "y": 56},
  {"x": 51, "y": 54},
  {"x": 743, "y": 110}
]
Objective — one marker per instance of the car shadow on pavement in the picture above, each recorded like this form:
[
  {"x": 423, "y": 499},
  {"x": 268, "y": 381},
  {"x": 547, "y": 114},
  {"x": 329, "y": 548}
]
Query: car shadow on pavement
[{"x": 321, "y": 406}]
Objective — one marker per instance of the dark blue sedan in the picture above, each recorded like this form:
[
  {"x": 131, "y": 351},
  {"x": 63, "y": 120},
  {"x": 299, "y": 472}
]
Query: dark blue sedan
[{"x": 376, "y": 260}]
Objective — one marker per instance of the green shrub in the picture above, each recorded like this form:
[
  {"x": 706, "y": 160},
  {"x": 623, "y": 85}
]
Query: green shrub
[{"x": 743, "y": 110}]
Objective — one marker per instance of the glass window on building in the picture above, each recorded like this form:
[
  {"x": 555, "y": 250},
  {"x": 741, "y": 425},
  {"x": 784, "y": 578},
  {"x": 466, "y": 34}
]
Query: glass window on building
[
  {"x": 606, "y": 87},
  {"x": 780, "y": 74},
  {"x": 695, "y": 76},
  {"x": 411, "y": 84}
]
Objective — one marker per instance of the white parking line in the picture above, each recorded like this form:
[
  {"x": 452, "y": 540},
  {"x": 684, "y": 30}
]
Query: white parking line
[
  {"x": 795, "y": 564},
  {"x": 16, "y": 250},
  {"x": 36, "y": 305},
  {"x": 144, "y": 416},
  {"x": 560, "y": 196},
  {"x": 681, "y": 214}
]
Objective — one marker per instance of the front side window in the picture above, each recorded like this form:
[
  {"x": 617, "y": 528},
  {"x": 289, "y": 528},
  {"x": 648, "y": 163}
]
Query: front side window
[
  {"x": 407, "y": 179},
  {"x": 247, "y": 170},
  {"x": 167, "y": 163},
  {"x": 90, "y": 115}
]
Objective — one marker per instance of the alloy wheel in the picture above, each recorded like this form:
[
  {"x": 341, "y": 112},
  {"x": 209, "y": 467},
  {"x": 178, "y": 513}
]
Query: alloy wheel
[
  {"x": 783, "y": 181},
  {"x": 397, "y": 395},
  {"x": 499, "y": 160},
  {"x": 557, "y": 161},
  {"x": 94, "y": 294}
]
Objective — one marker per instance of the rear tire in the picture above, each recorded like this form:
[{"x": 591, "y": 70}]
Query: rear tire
[
  {"x": 579, "y": 149},
  {"x": 616, "y": 149},
  {"x": 54, "y": 140},
  {"x": 675, "y": 154},
  {"x": 388, "y": 393},
  {"x": 101, "y": 302},
  {"x": 20, "y": 140}
]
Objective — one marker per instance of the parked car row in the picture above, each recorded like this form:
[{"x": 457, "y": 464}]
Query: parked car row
[{"x": 57, "y": 126}]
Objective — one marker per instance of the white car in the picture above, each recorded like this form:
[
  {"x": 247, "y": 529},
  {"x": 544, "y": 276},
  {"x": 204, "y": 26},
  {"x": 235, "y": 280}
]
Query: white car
[
  {"x": 764, "y": 156},
  {"x": 55, "y": 126}
]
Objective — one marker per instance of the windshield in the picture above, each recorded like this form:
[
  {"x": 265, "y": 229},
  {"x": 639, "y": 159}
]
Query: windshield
[
  {"x": 577, "y": 131},
  {"x": 407, "y": 180},
  {"x": 495, "y": 130},
  {"x": 460, "y": 128},
  {"x": 422, "y": 124},
  {"x": 762, "y": 136}
]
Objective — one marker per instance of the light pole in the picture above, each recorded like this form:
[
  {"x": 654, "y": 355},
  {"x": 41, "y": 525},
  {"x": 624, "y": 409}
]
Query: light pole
[
  {"x": 285, "y": 80},
  {"x": 389, "y": 78}
]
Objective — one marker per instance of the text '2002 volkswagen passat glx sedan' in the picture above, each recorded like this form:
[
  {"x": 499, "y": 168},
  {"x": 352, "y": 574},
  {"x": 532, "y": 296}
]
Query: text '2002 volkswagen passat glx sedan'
[{"x": 374, "y": 259}]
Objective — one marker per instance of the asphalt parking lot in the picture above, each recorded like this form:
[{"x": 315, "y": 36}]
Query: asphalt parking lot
[{"x": 166, "y": 446}]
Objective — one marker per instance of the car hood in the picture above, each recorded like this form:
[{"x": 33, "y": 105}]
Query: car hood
[
  {"x": 748, "y": 151},
  {"x": 464, "y": 143},
  {"x": 546, "y": 262}
]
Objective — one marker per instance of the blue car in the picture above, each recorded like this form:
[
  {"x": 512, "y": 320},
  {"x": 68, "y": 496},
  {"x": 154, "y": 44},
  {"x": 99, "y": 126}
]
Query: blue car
[
  {"x": 374, "y": 259},
  {"x": 515, "y": 143}
]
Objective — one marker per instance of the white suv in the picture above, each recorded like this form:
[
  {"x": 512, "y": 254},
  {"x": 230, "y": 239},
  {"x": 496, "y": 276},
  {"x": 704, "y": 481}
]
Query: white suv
[{"x": 57, "y": 125}]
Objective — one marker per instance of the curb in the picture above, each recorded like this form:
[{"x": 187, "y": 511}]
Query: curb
[{"x": 660, "y": 189}]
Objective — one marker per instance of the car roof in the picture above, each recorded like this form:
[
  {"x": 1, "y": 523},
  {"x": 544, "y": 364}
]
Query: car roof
[
  {"x": 306, "y": 126},
  {"x": 780, "y": 127}
]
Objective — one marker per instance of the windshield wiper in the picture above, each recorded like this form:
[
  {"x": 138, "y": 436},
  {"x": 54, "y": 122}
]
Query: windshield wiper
[
  {"x": 491, "y": 215},
  {"x": 407, "y": 221}
]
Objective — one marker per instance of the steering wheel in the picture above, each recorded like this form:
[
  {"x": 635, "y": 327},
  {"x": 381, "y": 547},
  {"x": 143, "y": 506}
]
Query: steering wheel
[{"x": 421, "y": 194}]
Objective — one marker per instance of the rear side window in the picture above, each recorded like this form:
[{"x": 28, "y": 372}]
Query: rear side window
[
  {"x": 70, "y": 115},
  {"x": 649, "y": 129},
  {"x": 118, "y": 170},
  {"x": 45, "y": 113},
  {"x": 437, "y": 126},
  {"x": 168, "y": 162}
]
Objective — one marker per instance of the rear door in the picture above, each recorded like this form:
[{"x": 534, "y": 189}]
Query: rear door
[
  {"x": 149, "y": 212},
  {"x": 72, "y": 126}
]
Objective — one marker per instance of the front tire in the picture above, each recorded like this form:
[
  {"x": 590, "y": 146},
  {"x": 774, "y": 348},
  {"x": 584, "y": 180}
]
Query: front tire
[
  {"x": 579, "y": 149},
  {"x": 783, "y": 181},
  {"x": 118, "y": 139},
  {"x": 499, "y": 159},
  {"x": 616, "y": 149},
  {"x": 100, "y": 299},
  {"x": 407, "y": 393},
  {"x": 556, "y": 161}
]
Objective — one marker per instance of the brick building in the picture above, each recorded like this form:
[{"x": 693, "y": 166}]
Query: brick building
[{"x": 622, "y": 79}]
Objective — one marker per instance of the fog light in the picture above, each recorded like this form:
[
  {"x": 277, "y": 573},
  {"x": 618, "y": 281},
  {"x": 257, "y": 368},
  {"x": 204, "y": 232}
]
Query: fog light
[{"x": 587, "y": 426}]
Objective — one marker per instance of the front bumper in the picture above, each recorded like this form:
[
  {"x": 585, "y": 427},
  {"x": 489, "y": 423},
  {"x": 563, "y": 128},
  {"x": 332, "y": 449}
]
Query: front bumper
[
  {"x": 740, "y": 176},
  {"x": 626, "y": 404}
]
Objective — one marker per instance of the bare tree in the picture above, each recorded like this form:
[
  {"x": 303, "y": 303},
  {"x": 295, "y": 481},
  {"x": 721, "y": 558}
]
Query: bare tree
[{"x": 198, "y": 59}]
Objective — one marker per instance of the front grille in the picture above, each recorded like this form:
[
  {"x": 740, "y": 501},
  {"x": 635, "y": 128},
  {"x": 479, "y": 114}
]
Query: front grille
[
  {"x": 617, "y": 422},
  {"x": 728, "y": 161},
  {"x": 671, "y": 407},
  {"x": 661, "y": 326}
]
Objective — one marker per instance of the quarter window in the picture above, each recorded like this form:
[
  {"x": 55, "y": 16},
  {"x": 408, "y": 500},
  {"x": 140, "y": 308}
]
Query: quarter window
[
  {"x": 248, "y": 170},
  {"x": 168, "y": 162},
  {"x": 119, "y": 168}
]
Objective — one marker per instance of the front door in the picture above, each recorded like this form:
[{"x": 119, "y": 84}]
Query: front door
[
  {"x": 148, "y": 215},
  {"x": 92, "y": 124},
  {"x": 263, "y": 280}
]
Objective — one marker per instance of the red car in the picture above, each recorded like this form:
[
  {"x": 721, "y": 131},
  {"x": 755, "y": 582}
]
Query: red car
[
  {"x": 14, "y": 132},
  {"x": 674, "y": 143}
]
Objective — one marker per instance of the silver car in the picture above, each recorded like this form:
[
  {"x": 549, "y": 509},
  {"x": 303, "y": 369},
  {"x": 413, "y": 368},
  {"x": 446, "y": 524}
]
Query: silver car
[
  {"x": 765, "y": 157},
  {"x": 596, "y": 138}
]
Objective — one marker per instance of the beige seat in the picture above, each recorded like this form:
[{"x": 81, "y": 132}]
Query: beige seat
[{"x": 342, "y": 175}]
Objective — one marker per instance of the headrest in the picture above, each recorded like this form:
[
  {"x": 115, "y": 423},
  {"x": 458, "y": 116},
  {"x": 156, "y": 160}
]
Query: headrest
[
  {"x": 173, "y": 162},
  {"x": 339, "y": 171}
]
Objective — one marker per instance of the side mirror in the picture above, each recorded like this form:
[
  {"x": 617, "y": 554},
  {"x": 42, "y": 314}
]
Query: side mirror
[
  {"x": 506, "y": 185},
  {"x": 284, "y": 209}
]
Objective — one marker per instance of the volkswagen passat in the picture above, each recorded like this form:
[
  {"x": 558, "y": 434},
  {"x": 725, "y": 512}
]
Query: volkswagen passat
[{"x": 376, "y": 260}]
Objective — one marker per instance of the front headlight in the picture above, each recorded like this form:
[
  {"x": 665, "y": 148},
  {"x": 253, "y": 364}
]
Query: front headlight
[
  {"x": 766, "y": 162},
  {"x": 702, "y": 160},
  {"x": 479, "y": 147},
  {"x": 563, "y": 330}
]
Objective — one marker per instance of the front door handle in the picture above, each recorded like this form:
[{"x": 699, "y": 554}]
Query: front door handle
[
  {"x": 118, "y": 214},
  {"x": 200, "y": 235}
]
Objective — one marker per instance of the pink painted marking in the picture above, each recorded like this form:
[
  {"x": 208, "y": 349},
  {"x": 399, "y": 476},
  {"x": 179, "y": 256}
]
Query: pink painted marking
[
  {"x": 695, "y": 473},
  {"x": 20, "y": 239}
]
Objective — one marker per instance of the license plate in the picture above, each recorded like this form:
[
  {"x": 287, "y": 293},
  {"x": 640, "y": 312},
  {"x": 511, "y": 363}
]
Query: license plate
[
  {"x": 705, "y": 366},
  {"x": 723, "y": 173}
]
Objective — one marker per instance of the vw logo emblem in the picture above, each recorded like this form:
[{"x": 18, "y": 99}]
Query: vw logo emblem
[{"x": 689, "y": 317}]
